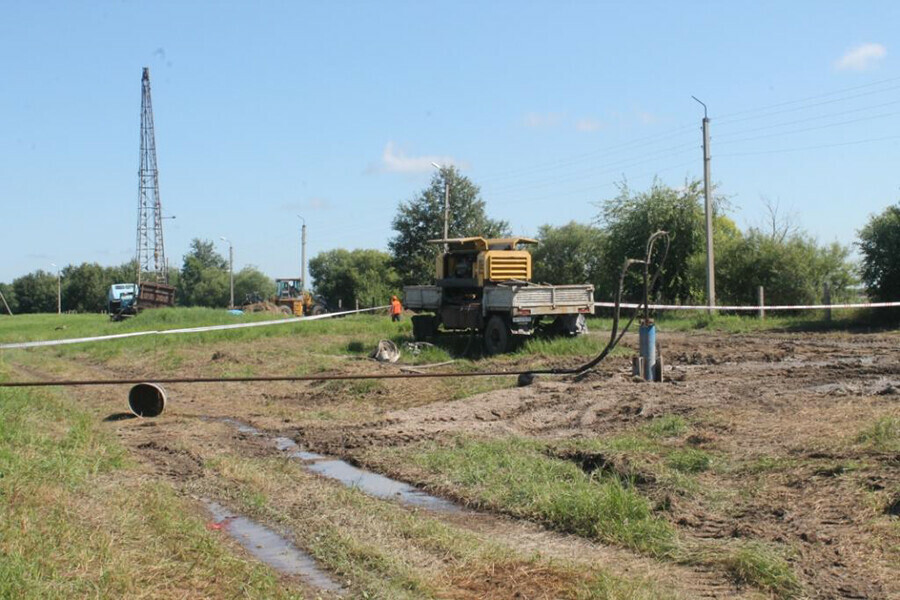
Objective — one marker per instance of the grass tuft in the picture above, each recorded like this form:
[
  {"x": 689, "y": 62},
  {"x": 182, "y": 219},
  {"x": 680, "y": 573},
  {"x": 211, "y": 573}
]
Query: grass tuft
[
  {"x": 667, "y": 426},
  {"x": 689, "y": 460},
  {"x": 883, "y": 434},
  {"x": 757, "y": 564}
]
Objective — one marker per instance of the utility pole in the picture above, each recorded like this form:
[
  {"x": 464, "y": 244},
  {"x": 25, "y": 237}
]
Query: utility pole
[
  {"x": 302, "y": 254},
  {"x": 230, "y": 269},
  {"x": 5, "y": 304},
  {"x": 707, "y": 193},
  {"x": 446, "y": 203}
]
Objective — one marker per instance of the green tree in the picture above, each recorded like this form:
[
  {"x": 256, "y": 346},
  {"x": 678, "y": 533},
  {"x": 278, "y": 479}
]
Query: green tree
[
  {"x": 211, "y": 290},
  {"x": 361, "y": 275},
  {"x": 628, "y": 221},
  {"x": 879, "y": 243},
  {"x": 792, "y": 269},
  {"x": 572, "y": 253},
  {"x": 85, "y": 287},
  {"x": 36, "y": 292},
  {"x": 249, "y": 281},
  {"x": 204, "y": 278},
  {"x": 422, "y": 219}
]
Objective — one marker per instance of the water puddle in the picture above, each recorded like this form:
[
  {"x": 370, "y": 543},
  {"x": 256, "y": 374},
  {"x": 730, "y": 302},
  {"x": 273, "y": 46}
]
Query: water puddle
[
  {"x": 379, "y": 485},
  {"x": 272, "y": 549},
  {"x": 365, "y": 481}
]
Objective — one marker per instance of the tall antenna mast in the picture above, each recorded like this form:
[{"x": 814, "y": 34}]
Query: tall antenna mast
[{"x": 149, "y": 227}]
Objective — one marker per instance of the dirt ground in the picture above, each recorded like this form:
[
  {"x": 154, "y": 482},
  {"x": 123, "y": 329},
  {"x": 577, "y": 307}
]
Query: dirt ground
[{"x": 780, "y": 412}]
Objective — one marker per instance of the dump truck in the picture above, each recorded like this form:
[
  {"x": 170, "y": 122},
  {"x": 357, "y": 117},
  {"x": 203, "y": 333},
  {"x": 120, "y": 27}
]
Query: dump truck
[
  {"x": 484, "y": 285},
  {"x": 124, "y": 300},
  {"x": 294, "y": 300}
]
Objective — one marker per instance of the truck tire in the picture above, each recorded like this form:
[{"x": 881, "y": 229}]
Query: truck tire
[
  {"x": 423, "y": 327},
  {"x": 318, "y": 309},
  {"x": 496, "y": 336}
]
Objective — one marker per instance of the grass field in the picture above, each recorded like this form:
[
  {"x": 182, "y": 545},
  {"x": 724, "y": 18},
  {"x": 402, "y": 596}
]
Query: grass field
[{"x": 769, "y": 445}]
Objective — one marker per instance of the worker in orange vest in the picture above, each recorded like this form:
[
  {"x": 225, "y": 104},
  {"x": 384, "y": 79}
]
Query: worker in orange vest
[{"x": 396, "y": 308}]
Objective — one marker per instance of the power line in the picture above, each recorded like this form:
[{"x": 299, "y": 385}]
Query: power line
[
  {"x": 565, "y": 193},
  {"x": 586, "y": 174},
  {"x": 816, "y": 147},
  {"x": 806, "y": 120},
  {"x": 808, "y": 106},
  {"x": 637, "y": 143},
  {"x": 808, "y": 98},
  {"x": 793, "y": 131}
]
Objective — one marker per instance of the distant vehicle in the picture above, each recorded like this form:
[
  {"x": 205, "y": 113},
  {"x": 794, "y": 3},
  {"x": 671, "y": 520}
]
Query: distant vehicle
[
  {"x": 485, "y": 285},
  {"x": 289, "y": 295},
  {"x": 124, "y": 300}
]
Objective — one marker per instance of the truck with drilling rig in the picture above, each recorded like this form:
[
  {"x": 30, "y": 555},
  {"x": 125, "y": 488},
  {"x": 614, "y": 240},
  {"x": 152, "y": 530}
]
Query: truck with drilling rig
[
  {"x": 484, "y": 285},
  {"x": 124, "y": 300}
]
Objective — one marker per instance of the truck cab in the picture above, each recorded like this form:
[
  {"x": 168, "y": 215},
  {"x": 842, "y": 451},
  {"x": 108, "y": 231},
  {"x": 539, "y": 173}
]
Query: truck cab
[{"x": 120, "y": 297}]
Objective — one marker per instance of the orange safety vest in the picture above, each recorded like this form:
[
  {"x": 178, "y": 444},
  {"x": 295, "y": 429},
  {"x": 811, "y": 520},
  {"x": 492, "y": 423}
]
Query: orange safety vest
[{"x": 396, "y": 307}]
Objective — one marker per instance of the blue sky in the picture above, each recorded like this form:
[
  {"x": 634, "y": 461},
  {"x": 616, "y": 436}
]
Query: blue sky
[{"x": 334, "y": 111}]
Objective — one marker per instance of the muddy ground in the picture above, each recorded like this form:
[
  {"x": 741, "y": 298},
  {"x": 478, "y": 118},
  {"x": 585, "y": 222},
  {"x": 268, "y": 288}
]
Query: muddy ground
[{"x": 781, "y": 413}]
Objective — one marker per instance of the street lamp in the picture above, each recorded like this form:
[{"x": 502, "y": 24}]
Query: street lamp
[
  {"x": 302, "y": 255},
  {"x": 446, "y": 201},
  {"x": 58, "y": 290},
  {"x": 230, "y": 268}
]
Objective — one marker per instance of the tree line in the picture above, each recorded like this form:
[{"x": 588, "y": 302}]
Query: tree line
[
  {"x": 202, "y": 281},
  {"x": 790, "y": 264}
]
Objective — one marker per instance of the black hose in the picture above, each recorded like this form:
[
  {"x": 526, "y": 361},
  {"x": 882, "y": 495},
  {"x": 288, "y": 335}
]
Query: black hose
[{"x": 615, "y": 337}]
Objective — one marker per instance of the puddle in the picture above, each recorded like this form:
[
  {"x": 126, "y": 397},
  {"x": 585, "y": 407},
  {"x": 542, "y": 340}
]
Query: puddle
[
  {"x": 283, "y": 443},
  {"x": 304, "y": 455},
  {"x": 366, "y": 481},
  {"x": 379, "y": 485},
  {"x": 241, "y": 427},
  {"x": 272, "y": 549}
]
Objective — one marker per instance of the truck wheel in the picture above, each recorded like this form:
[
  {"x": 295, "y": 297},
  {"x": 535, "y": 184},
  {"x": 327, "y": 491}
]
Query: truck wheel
[
  {"x": 496, "y": 336},
  {"x": 318, "y": 309},
  {"x": 423, "y": 327}
]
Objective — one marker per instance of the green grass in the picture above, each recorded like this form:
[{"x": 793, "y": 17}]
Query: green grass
[
  {"x": 515, "y": 476},
  {"x": 883, "y": 434},
  {"x": 688, "y": 460},
  {"x": 762, "y": 566},
  {"x": 667, "y": 426},
  {"x": 78, "y": 520}
]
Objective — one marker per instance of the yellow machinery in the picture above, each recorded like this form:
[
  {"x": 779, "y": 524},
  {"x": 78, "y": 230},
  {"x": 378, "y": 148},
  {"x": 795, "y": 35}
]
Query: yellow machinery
[
  {"x": 484, "y": 284},
  {"x": 289, "y": 294}
]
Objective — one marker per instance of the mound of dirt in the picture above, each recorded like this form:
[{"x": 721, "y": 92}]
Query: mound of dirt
[{"x": 264, "y": 306}]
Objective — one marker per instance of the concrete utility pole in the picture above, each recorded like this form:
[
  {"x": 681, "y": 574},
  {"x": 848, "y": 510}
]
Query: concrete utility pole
[
  {"x": 707, "y": 193},
  {"x": 446, "y": 202},
  {"x": 302, "y": 255},
  {"x": 230, "y": 270},
  {"x": 5, "y": 304}
]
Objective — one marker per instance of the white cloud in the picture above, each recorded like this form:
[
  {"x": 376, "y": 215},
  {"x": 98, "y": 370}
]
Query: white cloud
[
  {"x": 534, "y": 119},
  {"x": 861, "y": 57},
  {"x": 394, "y": 160},
  {"x": 588, "y": 125}
]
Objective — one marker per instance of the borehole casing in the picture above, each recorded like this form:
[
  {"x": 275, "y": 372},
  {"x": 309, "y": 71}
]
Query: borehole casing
[{"x": 147, "y": 399}]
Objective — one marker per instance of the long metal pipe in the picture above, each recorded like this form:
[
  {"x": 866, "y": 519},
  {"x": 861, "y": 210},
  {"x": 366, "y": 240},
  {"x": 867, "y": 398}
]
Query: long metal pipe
[{"x": 71, "y": 382}]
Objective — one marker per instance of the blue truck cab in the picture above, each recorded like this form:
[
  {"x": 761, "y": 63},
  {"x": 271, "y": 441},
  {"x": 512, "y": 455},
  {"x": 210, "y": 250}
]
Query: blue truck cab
[{"x": 121, "y": 298}]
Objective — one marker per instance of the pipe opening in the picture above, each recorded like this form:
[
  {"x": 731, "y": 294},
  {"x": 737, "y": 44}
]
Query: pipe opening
[{"x": 147, "y": 399}]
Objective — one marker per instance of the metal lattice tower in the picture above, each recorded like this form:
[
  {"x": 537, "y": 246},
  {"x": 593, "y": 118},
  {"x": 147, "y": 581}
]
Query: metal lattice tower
[{"x": 149, "y": 227}]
